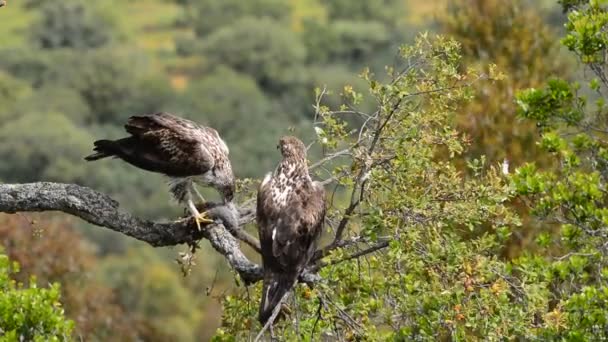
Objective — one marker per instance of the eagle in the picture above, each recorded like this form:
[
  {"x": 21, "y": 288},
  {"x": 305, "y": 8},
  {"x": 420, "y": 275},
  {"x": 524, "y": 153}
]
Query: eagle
[
  {"x": 290, "y": 215},
  {"x": 181, "y": 149}
]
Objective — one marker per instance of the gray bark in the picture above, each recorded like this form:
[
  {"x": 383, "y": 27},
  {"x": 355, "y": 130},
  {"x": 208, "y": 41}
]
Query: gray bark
[{"x": 101, "y": 210}]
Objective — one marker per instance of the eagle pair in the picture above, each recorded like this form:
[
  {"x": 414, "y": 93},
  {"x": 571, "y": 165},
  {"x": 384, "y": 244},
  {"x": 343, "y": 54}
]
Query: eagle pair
[{"x": 290, "y": 206}]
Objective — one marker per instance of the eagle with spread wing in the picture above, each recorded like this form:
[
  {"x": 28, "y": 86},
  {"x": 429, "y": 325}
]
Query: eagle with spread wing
[
  {"x": 186, "y": 152},
  {"x": 290, "y": 215}
]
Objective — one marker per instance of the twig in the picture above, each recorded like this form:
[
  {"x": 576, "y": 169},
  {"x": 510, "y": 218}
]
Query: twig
[
  {"x": 329, "y": 158},
  {"x": 297, "y": 314},
  {"x": 321, "y": 253},
  {"x": 344, "y": 315},
  {"x": 372, "y": 249},
  {"x": 319, "y": 316},
  {"x": 274, "y": 315},
  {"x": 341, "y": 226}
]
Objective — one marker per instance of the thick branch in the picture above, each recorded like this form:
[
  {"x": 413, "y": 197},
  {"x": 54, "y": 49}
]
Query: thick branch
[
  {"x": 101, "y": 210},
  {"x": 233, "y": 220}
]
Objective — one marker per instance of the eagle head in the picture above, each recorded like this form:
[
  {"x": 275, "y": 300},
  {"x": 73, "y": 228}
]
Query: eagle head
[{"x": 292, "y": 147}]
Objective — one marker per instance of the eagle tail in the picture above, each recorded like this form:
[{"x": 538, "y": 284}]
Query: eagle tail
[
  {"x": 103, "y": 149},
  {"x": 275, "y": 287}
]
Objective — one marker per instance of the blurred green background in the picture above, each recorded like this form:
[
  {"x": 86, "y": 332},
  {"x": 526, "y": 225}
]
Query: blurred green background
[{"x": 73, "y": 71}]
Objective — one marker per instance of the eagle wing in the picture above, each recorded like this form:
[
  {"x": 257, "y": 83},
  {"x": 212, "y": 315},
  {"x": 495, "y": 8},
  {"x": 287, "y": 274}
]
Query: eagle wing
[
  {"x": 296, "y": 230},
  {"x": 167, "y": 144}
]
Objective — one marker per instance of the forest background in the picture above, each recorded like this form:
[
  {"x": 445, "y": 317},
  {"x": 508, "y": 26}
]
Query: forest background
[{"x": 72, "y": 72}]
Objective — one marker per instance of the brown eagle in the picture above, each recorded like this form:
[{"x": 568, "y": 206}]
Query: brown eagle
[
  {"x": 186, "y": 152},
  {"x": 290, "y": 215}
]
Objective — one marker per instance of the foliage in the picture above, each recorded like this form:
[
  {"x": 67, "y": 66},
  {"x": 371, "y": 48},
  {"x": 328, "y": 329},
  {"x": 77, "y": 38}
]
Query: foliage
[
  {"x": 50, "y": 100},
  {"x": 513, "y": 36},
  {"x": 113, "y": 86},
  {"x": 30, "y": 313},
  {"x": 209, "y": 15},
  {"x": 71, "y": 24},
  {"x": 37, "y": 140},
  {"x": 282, "y": 46},
  {"x": 435, "y": 284},
  {"x": 39, "y": 246},
  {"x": 441, "y": 278},
  {"x": 11, "y": 90},
  {"x": 152, "y": 292},
  {"x": 126, "y": 293},
  {"x": 387, "y": 11},
  {"x": 29, "y": 66},
  {"x": 251, "y": 66},
  {"x": 573, "y": 133},
  {"x": 347, "y": 41},
  {"x": 259, "y": 48}
]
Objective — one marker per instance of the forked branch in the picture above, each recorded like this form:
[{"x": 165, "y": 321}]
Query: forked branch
[{"x": 101, "y": 210}]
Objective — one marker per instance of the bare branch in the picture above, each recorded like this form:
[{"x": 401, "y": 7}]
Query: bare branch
[
  {"x": 342, "y": 225},
  {"x": 372, "y": 249},
  {"x": 321, "y": 253},
  {"x": 343, "y": 315},
  {"x": 101, "y": 210},
  {"x": 330, "y": 157},
  {"x": 233, "y": 220},
  {"x": 359, "y": 185},
  {"x": 273, "y": 317}
]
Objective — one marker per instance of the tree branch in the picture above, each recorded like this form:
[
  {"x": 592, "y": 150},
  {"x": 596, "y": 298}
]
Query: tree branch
[
  {"x": 273, "y": 317},
  {"x": 101, "y": 210},
  {"x": 372, "y": 249},
  {"x": 330, "y": 157},
  {"x": 233, "y": 220}
]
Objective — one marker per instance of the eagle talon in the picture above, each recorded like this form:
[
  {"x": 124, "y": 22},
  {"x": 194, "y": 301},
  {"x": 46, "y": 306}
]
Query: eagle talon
[{"x": 201, "y": 218}]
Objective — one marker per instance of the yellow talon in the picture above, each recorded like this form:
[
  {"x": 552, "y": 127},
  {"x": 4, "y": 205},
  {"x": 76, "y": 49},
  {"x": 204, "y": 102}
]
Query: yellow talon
[{"x": 201, "y": 218}]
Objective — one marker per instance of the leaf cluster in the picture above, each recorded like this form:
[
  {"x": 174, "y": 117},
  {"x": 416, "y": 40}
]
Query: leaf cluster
[{"x": 29, "y": 312}]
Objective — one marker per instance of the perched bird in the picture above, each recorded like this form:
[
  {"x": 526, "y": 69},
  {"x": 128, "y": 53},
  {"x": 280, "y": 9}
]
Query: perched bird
[
  {"x": 186, "y": 152},
  {"x": 290, "y": 215}
]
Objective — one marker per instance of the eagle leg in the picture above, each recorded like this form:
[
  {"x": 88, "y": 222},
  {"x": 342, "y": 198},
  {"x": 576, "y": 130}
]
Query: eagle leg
[
  {"x": 198, "y": 193},
  {"x": 182, "y": 190},
  {"x": 198, "y": 217}
]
